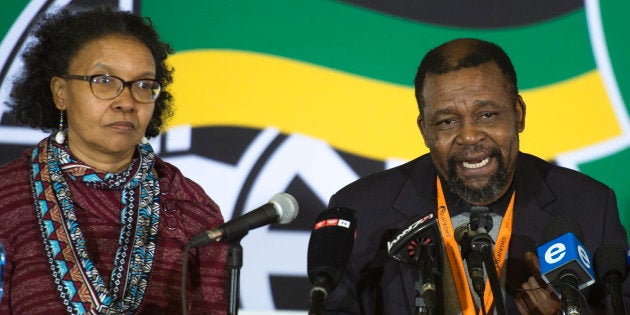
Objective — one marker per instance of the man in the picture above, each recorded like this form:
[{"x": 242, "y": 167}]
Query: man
[{"x": 470, "y": 118}]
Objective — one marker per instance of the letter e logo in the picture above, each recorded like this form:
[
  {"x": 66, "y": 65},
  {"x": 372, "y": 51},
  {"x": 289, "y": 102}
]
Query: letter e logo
[
  {"x": 584, "y": 256},
  {"x": 555, "y": 253}
]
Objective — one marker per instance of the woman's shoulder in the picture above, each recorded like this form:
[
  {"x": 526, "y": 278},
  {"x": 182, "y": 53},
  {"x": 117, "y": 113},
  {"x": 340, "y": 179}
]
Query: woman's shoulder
[
  {"x": 170, "y": 173},
  {"x": 185, "y": 199},
  {"x": 178, "y": 186},
  {"x": 14, "y": 172},
  {"x": 16, "y": 194}
]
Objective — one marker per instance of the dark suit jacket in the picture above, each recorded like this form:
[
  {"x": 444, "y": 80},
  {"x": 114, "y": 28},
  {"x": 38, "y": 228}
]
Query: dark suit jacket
[{"x": 376, "y": 284}]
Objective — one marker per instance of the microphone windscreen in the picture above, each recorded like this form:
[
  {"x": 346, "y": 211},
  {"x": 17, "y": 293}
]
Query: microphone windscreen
[
  {"x": 562, "y": 224},
  {"x": 405, "y": 244},
  {"x": 610, "y": 258},
  {"x": 331, "y": 242},
  {"x": 461, "y": 231},
  {"x": 286, "y": 206}
]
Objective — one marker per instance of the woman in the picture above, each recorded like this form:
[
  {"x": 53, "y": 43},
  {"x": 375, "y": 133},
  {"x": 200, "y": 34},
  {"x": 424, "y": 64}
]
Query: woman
[{"x": 92, "y": 221}]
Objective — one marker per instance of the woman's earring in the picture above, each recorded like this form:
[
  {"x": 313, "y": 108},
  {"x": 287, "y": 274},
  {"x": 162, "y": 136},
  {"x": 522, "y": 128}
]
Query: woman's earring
[{"x": 60, "y": 136}]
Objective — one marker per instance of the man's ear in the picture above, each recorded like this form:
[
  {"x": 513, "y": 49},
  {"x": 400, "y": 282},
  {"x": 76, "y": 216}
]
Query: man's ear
[
  {"x": 420, "y": 123},
  {"x": 422, "y": 126},
  {"x": 58, "y": 88},
  {"x": 520, "y": 113}
]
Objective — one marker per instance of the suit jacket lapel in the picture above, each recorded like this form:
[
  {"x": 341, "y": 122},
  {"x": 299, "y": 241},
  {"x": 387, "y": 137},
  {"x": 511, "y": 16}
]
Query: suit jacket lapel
[
  {"x": 531, "y": 212},
  {"x": 533, "y": 198},
  {"x": 418, "y": 195}
]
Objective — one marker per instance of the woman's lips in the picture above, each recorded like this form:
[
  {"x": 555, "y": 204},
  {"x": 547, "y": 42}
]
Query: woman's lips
[{"x": 122, "y": 125}]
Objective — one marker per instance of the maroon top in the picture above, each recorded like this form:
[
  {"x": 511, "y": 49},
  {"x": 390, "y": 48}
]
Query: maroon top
[{"x": 186, "y": 210}]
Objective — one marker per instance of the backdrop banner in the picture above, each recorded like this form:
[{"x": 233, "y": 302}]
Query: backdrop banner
[{"x": 304, "y": 97}]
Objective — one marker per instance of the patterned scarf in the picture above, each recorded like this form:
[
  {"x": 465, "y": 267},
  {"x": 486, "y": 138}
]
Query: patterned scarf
[{"x": 79, "y": 283}]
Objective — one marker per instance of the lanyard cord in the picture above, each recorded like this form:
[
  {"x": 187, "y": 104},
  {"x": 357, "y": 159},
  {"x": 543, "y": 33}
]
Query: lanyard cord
[{"x": 454, "y": 256}]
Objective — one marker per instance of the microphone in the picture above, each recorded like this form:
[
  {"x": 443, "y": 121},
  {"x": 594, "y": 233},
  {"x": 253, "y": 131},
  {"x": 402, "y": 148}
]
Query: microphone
[
  {"x": 474, "y": 241},
  {"x": 474, "y": 260},
  {"x": 329, "y": 249},
  {"x": 281, "y": 208},
  {"x": 565, "y": 263},
  {"x": 418, "y": 245},
  {"x": 476, "y": 246},
  {"x": 611, "y": 270}
]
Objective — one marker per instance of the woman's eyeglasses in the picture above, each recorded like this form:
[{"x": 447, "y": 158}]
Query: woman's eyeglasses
[{"x": 107, "y": 87}]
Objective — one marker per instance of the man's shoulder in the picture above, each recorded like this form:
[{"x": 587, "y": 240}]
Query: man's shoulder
[
  {"x": 393, "y": 176},
  {"x": 381, "y": 189},
  {"x": 558, "y": 176}
]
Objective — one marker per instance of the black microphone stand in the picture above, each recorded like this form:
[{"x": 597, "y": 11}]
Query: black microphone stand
[
  {"x": 425, "y": 285},
  {"x": 481, "y": 242},
  {"x": 234, "y": 264},
  {"x": 421, "y": 307},
  {"x": 617, "y": 304},
  {"x": 570, "y": 293},
  {"x": 322, "y": 285}
]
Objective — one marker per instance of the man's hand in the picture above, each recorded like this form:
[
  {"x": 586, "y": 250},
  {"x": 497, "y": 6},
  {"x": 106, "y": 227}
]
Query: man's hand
[{"x": 536, "y": 296}]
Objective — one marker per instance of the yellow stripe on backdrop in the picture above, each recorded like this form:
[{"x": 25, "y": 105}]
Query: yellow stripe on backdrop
[
  {"x": 226, "y": 87},
  {"x": 568, "y": 115}
]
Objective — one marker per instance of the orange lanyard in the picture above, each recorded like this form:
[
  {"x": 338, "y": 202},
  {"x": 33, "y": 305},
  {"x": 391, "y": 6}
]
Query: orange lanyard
[{"x": 454, "y": 256}]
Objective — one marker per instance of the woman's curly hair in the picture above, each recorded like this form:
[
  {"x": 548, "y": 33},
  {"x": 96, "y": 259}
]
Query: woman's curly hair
[{"x": 57, "y": 40}]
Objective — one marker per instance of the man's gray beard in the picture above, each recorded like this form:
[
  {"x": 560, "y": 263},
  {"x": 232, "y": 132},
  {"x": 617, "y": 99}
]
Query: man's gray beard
[{"x": 482, "y": 195}]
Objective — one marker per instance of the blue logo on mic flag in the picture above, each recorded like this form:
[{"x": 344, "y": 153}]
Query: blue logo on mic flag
[{"x": 566, "y": 253}]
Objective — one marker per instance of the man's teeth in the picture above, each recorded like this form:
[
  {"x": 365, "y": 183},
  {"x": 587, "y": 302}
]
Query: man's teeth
[{"x": 482, "y": 163}]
